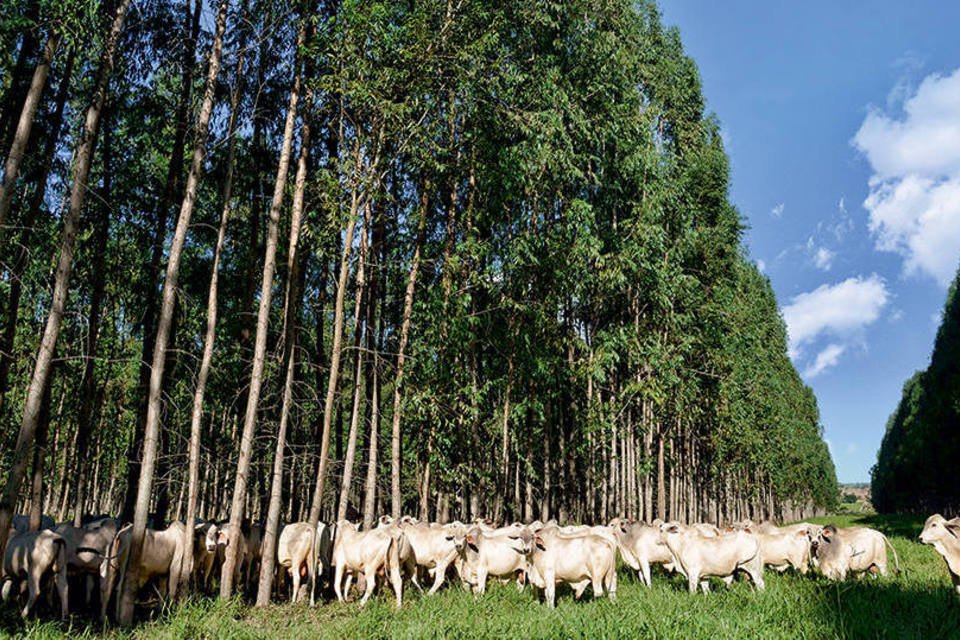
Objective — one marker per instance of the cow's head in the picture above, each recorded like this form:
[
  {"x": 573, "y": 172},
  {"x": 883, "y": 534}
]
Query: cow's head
[
  {"x": 938, "y": 528},
  {"x": 211, "y": 539}
]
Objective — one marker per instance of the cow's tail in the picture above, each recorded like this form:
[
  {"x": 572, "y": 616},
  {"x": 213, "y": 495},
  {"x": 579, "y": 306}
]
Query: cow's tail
[
  {"x": 60, "y": 561},
  {"x": 896, "y": 559}
]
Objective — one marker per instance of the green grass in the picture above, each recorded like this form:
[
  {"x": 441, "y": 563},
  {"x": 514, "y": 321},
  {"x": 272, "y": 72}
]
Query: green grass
[{"x": 915, "y": 604}]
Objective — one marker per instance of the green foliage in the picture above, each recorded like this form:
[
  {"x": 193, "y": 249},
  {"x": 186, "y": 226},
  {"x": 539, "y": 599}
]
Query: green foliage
[{"x": 922, "y": 441}]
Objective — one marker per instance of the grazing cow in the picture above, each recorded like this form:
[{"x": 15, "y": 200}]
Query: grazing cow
[
  {"x": 296, "y": 550},
  {"x": 86, "y": 546},
  {"x": 851, "y": 550},
  {"x": 781, "y": 547},
  {"x": 161, "y": 557},
  {"x": 30, "y": 556},
  {"x": 365, "y": 552},
  {"x": 701, "y": 556},
  {"x": 942, "y": 534},
  {"x": 579, "y": 560},
  {"x": 502, "y": 556},
  {"x": 641, "y": 547},
  {"x": 434, "y": 548}
]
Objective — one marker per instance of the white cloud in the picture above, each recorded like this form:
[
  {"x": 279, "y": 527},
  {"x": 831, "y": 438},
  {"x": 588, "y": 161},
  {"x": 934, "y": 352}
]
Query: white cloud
[
  {"x": 914, "y": 199},
  {"x": 823, "y": 258},
  {"x": 777, "y": 211},
  {"x": 761, "y": 265},
  {"x": 896, "y": 315},
  {"x": 840, "y": 310},
  {"x": 826, "y": 359}
]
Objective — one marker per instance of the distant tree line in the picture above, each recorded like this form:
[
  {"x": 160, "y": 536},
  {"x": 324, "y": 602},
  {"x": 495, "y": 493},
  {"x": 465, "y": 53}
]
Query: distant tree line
[
  {"x": 299, "y": 260},
  {"x": 920, "y": 449}
]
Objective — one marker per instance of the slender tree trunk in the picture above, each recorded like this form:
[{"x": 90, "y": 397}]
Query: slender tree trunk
[
  {"x": 395, "y": 497},
  {"x": 191, "y": 31},
  {"x": 196, "y": 415},
  {"x": 238, "y": 503},
  {"x": 152, "y": 429},
  {"x": 370, "y": 495},
  {"x": 355, "y": 412},
  {"x": 48, "y": 343},
  {"x": 355, "y": 202},
  {"x": 39, "y": 455},
  {"x": 88, "y": 384},
  {"x": 290, "y": 315},
  {"x": 22, "y": 135},
  {"x": 29, "y": 224},
  {"x": 16, "y": 92}
]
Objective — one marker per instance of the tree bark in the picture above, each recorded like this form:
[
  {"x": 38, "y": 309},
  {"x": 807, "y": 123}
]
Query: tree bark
[
  {"x": 395, "y": 497},
  {"x": 355, "y": 411},
  {"x": 191, "y": 32},
  {"x": 88, "y": 384},
  {"x": 196, "y": 415},
  {"x": 22, "y": 134},
  {"x": 290, "y": 315},
  {"x": 29, "y": 223},
  {"x": 152, "y": 427},
  {"x": 238, "y": 502},
  {"x": 48, "y": 343}
]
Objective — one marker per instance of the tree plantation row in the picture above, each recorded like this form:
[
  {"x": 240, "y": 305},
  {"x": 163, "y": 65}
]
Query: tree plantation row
[{"x": 274, "y": 262}]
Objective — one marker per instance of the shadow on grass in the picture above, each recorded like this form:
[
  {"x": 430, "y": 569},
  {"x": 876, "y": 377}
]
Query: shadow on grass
[{"x": 887, "y": 609}]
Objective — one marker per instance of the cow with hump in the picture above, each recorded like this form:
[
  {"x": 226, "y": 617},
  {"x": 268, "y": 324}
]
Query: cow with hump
[
  {"x": 841, "y": 551},
  {"x": 699, "y": 556},
  {"x": 943, "y": 534}
]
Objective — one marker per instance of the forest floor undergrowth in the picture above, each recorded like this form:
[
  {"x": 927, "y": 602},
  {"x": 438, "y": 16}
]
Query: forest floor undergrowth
[{"x": 917, "y": 603}]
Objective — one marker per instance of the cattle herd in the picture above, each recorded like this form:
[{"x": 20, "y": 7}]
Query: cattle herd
[{"x": 334, "y": 557}]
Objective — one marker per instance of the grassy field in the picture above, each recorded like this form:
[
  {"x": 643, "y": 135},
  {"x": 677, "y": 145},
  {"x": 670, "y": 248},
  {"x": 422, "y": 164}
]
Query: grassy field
[{"x": 918, "y": 603}]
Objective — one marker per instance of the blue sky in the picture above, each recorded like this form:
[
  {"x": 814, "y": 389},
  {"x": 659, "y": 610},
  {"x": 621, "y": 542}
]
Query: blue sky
[{"x": 842, "y": 122}]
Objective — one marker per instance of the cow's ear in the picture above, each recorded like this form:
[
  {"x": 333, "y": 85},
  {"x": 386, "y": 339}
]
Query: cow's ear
[
  {"x": 953, "y": 528},
  {"x": 470, "y": 539},
  {"x": 826, "y": 533},
  {"x": 539, "y": 542},
  {"x": 802, "y": 533},
  {"x": 673, "y": 528},
  {"x": 748, "y": 529}
]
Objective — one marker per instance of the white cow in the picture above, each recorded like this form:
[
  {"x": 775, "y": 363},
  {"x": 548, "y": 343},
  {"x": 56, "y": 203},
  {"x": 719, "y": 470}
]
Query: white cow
[
  {"x": 366, "y": 552},
  {"x": 29, "y": 557},
  {"x": 579, "y": 560},
  {"x": 700, "y": 556}
]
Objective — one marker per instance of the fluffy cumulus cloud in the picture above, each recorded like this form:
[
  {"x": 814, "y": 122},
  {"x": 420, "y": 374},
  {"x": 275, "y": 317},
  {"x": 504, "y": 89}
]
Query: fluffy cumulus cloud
[
  {"x": 827, "y": 358},
  {"x": 838, "y": 312},
  {"x": 914, "y": 199}
]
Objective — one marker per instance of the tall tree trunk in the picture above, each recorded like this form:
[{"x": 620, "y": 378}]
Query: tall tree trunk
[
  {"x": 196, "y": 415},
  {"x": 48, "y": 343},
  {"x": 22, "y": 134},
  {"x": 39, "y": 454},
  {"x": 370, "y": 493},
  {"x": 16, "y": 92},
  {"x": 88, "y": 384},
  {"x": 191, "y": 30},
  {"x": 356, "y": 198},
  {"x": 152, "y": 429},
  {"x": 238, "y": 502},
  {"x": 355, "y": 411},
  {"x": 290, "y": 316},
  {"x": 395, "y": 497},
  {"x": 54, "y": 127}
]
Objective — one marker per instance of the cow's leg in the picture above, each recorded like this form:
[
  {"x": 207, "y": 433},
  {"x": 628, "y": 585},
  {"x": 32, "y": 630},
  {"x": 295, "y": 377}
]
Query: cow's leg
[
  {"x": 396, "y": 581},
  {"x": 337, "y": 581},
  {"x": 645, "y": 572},
  {"x": 349, "y": 587},
  {"x": 295, "y": 572},
  {"x": 692, "y": 580},
  {"x": 33, "y": 584},
  {"x": 481, "y": 587},
  {"x": 705, "y": 586},
  {"x": 728, "y": 581},
  {"x": 370, "y": 575},
  {"x": 882, "y": 566},
  {"x": 438, "y": 574},
  {"x": 88, "y": 591},
  {"x": 611, "y": 582},
  {"x": 7, "y": 588},
  {"x": 63, "y": 590},
  {"x": 550, "y": 591}
]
